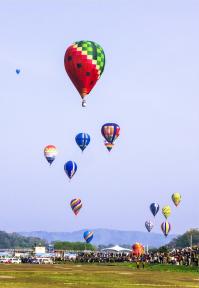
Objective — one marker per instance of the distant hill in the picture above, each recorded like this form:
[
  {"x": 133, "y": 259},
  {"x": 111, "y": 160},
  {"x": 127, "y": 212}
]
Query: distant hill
[
  {"x": 14, "y": 240},
  {"x": 105, "y": 237},
  {"x": 185, "y": 239}
]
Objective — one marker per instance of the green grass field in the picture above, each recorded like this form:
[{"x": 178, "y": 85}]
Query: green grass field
[{"x": 96, "y": 276}]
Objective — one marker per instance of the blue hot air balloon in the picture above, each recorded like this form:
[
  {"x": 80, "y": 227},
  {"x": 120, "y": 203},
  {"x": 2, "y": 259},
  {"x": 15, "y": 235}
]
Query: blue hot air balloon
[
  {"x": 70, "y": 168},
  {"x": 154, "y": 207},
  {"x": 17, "y": 71},
  {"x": 88, "y": 236},
  {"x": 82, "y": 140}
]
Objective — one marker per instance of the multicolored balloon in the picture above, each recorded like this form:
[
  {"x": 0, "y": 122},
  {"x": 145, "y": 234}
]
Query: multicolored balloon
[
  {"x": 166, "y": 227},
  {"x": 88, "y": 236},
  {"x": 176, "y": 197},
  {"x": 82, "y": 140},
  {"x": 17, "y": 71},
  {"x": 149, "y": 225},
  {"x": 137, "y": 249},
  {"x": 50, "y": 153},
  {"x": 166, "y": 211},
  {"x": 70, "y": 168},
  {"x": 84, "y": 63},
  {"x": 110, "y": 131},
  {"x": 76, "y": 205},
  {"x": 108, "y": 145},
  {"x": 154, "y": 207}
]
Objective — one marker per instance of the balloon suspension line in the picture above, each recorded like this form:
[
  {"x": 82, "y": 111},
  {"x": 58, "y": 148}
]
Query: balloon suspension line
[{"x": 83, "y": 99}]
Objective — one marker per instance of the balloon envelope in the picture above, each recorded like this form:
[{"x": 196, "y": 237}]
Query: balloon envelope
[
  {"x": 149, "y": 225},
  {"x": 84, "y": 63},
  {"x": 82, "y": 140},
  {"x": 110, "y": 131},
  {"x": 76, "y": 205},
  {"x": 70, "y": 168},
  {"x": 176, "y": 197},
  {"x": 154, "y": 207},
  {"x": 50, "y": 153},
  {"x": 88, "y": 236},
  {"x": 166, "y": 227},
  {"x": 137, "y": 249},
  {"x": 166, "y": 211}
]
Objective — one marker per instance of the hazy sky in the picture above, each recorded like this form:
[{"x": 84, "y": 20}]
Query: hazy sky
[{"x": 150, "y": 87}]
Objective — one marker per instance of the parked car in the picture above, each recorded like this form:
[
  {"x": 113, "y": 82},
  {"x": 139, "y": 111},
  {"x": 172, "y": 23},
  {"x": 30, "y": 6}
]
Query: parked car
[
  {"x": 15, "y": 260},
  {"x": 6, "y": 260},
  {"x": 45, "y": 261}
]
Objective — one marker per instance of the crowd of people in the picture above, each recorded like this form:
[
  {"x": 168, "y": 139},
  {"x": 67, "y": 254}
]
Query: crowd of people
[{"x": 186, "y": 256}]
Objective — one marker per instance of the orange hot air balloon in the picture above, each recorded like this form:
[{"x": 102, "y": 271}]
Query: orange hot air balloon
[{"x": 137, "y": 249}]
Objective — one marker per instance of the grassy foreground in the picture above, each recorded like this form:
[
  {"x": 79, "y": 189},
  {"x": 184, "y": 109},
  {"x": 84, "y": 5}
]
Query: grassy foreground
[{"x": 96, "y": 276}]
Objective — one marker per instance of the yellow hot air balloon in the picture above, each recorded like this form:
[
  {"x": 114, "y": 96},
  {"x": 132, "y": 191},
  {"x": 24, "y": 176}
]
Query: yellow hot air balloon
[
  {"x": 166, "y": 211},
  {"x": 176, "y": 197}
]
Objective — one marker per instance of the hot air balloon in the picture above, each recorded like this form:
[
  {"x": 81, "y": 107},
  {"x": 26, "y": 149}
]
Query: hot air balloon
[
  {"x": 108, "y": 145},
  {"x": 110, "y": 131},
  {"x": 70, "y": 168},
  {"x": 149, "y": 225},
  {"x": 50, "y": 152},
  {"x": 88, "y": 236},
  {"x": 76, "y": 205},
  {"x": 176, "y": 197},
  {"x": 82, "y": 140},
  {"x": 137, "y": 249},
  {"x": 17, "y": 71},
  {"x": 166, "y": 227},
  {"x": 166, "y": 211},
  {"x": 84, "y": 62},
  {"x": 154, "y": 207}
]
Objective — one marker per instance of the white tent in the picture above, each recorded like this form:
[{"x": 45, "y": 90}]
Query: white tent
[{"x": 116, "y": 249}]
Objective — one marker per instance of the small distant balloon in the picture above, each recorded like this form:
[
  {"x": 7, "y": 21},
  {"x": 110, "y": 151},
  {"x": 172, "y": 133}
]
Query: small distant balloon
[
  {"x": 154, "y": 207},
  {"x": 70, "y": 168},
  {"x": 88, "y": 236},
  {"x": 166, "y": 227},
  {"x": 76, "y": 205},
  {"x": 149, "y": 225},
  {"x": 82, "y": 140},
  {"x": 176, "y": 197},
  {"x": 50, "y": 153},
  {"x": 110, "y": 131},
  {"x": 18, "y": 71},
  {"x": 166, "y": 211}
]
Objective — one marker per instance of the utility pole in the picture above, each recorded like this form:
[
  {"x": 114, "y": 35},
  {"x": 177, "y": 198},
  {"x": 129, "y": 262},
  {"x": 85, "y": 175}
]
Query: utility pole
[{"x": 191, "y": 241}]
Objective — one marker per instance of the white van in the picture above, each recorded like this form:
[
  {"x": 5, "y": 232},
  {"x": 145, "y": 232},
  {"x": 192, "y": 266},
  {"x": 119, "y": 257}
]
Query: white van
[
  {"x": 45, "y": 260},
  {"x": 15, "y": 260}
]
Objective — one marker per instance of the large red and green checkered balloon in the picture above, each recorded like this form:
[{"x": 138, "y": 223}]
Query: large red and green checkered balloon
[{"x": 84, "y": 63}]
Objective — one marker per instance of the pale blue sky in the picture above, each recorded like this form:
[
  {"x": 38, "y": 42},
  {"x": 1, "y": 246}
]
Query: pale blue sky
[{"x": 150, "y": 87}]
